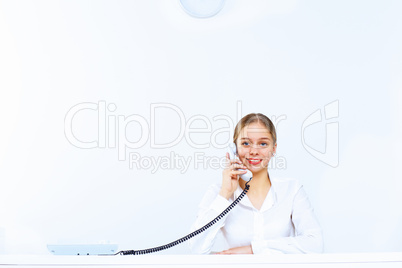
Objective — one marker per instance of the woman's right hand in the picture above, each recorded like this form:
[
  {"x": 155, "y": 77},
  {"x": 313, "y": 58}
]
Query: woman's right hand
[{"x": 230, "y": 176}]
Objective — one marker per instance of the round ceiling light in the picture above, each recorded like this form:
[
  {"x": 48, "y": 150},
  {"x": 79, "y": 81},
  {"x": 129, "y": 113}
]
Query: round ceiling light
[{"x": 202, "y": 8}]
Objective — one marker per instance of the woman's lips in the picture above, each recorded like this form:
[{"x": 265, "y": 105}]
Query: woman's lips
[{"x": 254, "y": 161}]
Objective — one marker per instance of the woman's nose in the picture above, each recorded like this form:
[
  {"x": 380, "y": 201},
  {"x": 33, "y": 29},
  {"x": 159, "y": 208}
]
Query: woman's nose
[{"x": 253, "y": 150}]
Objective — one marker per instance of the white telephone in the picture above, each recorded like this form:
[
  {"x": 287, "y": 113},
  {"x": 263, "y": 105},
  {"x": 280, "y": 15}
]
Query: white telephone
[{"x": 232, "y": 150}]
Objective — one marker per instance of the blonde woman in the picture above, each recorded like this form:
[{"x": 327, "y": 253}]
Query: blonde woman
[{"x": 274, "y": 217}]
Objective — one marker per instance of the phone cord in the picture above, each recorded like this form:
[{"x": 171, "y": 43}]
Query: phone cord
[{"x": 191, "y": 235}]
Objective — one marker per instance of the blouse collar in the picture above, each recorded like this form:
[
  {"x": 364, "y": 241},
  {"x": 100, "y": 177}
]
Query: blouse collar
[{"x": 269, "y": 202}]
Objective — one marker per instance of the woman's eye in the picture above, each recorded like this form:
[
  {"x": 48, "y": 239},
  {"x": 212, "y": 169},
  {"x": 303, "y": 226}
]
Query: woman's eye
[
  {"x": 264, "y": 144},
  {"x": 245, "y": 143}
]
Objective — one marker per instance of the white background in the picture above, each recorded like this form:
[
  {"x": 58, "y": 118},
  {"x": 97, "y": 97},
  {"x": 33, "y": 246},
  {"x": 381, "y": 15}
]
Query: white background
[{"x": 286, "y": 59}]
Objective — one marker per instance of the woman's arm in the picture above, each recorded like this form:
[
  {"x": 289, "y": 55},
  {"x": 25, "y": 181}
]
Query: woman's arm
[
  {"x": 214, "y": 202},
  {"x": 210, "y": 207}
]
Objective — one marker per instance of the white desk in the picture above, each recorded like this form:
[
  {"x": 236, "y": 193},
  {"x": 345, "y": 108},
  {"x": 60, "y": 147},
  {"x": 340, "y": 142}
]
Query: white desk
[{"x": 290, "y": 260}]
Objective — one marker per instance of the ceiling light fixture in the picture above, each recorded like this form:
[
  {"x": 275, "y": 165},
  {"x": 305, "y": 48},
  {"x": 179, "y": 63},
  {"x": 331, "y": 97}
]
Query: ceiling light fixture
[{"x": 202, "y": 8}]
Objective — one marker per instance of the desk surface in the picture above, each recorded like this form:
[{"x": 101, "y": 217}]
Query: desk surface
[{"x": 289, "y": 260}]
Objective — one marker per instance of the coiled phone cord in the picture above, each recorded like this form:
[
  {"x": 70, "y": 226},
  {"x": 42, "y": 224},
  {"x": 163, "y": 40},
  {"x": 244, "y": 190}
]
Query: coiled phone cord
[{"x": 191, "y": 235}]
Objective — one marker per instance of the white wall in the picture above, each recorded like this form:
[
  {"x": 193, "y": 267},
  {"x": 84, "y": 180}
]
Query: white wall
[{"x": 286, "y": 60}]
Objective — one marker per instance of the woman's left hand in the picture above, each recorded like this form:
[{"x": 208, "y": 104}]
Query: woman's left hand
[{"x": 238, "y": 250}]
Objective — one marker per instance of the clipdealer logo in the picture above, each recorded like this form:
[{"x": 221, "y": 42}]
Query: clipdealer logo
[
  {"x": 113, "y": 133},
  {"x": 330, "y": 155}
]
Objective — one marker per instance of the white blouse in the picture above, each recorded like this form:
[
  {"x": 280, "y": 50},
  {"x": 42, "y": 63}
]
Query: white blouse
[{"x": 284, "y": 224}]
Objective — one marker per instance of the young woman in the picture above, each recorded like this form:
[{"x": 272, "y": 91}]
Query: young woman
[{"x": 274, "y": 217}]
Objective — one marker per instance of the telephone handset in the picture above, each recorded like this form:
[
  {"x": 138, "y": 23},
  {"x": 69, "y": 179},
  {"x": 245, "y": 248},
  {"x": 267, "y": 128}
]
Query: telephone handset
[
  {"x": 246, "y": 177},
  {"x": 232, "y": 150}
]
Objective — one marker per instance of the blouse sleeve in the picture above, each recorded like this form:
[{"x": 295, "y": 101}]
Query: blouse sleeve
[
  {"x": 210, "y": 207},
  {"x": 308, "y": 235}
]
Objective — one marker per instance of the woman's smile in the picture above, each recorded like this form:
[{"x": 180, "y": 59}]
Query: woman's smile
[{"x": 254, "y": 161}]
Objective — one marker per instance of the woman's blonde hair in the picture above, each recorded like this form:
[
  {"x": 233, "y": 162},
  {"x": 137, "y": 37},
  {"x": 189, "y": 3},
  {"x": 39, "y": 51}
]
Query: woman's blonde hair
[{"x": 255, "y": 118}]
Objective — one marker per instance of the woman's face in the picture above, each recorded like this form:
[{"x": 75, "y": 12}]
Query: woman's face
[{"x": 255, "y": 147}]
